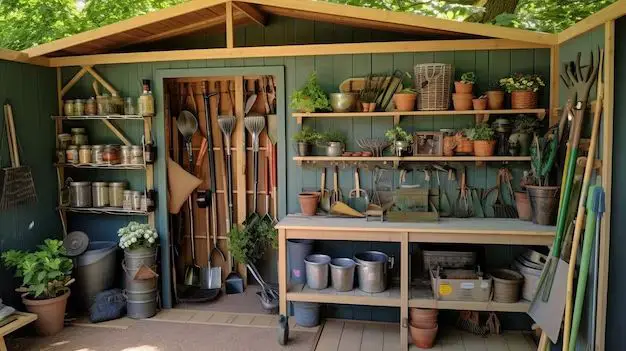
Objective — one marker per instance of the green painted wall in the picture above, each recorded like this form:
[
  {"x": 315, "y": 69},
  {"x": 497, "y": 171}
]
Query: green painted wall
[{"x": 31, "y": 91}]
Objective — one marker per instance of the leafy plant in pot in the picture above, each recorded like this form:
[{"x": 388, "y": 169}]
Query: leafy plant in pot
[
  {"x": 334, "y": 142},
  {"x": 544, "y": 198},
  {"x": 305, "y": 139},
  {"x": 525, "y": 127},
  {"x": 46, "y": 275},
  {"x": 464, "y": 145},
  {"x": 311, "y": 97},
  {"x": 405, "y": 99},
  {"x": 523, "y": 89},
  {"x": 400, "y": 141},
  {"x": 483, "y": 137},
  {"x": 466, "y": 84}
]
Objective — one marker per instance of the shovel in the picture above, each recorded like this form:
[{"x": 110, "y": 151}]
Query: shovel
[
  {"x": 358, "y": 198},
  {"x": 324, "y": 193}
]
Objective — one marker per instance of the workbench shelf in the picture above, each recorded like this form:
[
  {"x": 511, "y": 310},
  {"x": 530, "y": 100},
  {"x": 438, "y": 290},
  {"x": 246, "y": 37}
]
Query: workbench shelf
[
  {"x": 422, "y": 297},
  {"x": 302, "y": 293},
  {"x": 105, "y": 210},
  {"x": 100, "y": 166},
  {"x": 98, "y": 117}
]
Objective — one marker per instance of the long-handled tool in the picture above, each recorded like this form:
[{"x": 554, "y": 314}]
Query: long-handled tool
[
  {"x": 273, "y": 179},
  {"x": 254, "y": 126},
  {"x": 596, "y": 267},
  {"x": 335, "y": 194},
  {"x": 324, "y": 193},
  {"x": 358, "y": 198}
]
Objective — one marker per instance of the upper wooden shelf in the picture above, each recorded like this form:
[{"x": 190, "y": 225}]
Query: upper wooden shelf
[
  {"x": 385, "y": 159},
  {"x": 134, "y": 117},
  {"x": 481, "y": 114}
]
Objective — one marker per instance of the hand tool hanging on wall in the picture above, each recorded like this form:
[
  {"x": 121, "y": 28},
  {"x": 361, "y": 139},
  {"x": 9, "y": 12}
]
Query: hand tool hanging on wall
[
  {"x": 273, "y": 181},
  {"x": 254, "y": 126},
  {"x": 324, "y": 193},
  {"x": 227, "y": 125}
]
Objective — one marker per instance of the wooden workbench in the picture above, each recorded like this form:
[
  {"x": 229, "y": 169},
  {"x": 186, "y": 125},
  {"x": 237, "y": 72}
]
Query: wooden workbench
[
  {"x": 22, "y": 320},
  {"x": 457, "y": 231}
]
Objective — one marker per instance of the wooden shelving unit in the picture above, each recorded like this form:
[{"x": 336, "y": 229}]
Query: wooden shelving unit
[
  {"x": 395, "y": 160},
  {"x": 86, "y": 117},
  {"x": 389, "y": 297},
  {"x": 100, "y": 166},
  {"x": 105, "y": 210}
]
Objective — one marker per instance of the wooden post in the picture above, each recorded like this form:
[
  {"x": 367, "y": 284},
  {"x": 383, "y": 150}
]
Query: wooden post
[
  {"x": 282, "y": 270},
  {"x": 147, "y": 132},
  {"x": 405, "y": 284},
  {"x": 554, "y": 85},
  {"x": 240, "y": 166},
  {"x": 58, "y": 126},
  {"x": 230, "y": 30}
]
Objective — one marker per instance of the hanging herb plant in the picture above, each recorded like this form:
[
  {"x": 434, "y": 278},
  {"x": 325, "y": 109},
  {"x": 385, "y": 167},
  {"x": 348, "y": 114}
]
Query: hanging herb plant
[{"x": 311, "y": 97}]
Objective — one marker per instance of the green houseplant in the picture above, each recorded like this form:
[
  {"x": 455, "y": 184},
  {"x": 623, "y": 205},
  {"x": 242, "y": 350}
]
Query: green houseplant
[
  {"x": 400, "y": 140},
  {"x": 524, "y": 130},
  {"x": 466, "y": 84},
  {"x": 46, "y": 275},
  {"x": 523, "y": 89},
  {"x": 311, "y": 97},
  {"x": 483, "y": 137},
  {"x": 305, "y": 139},
  {"x": 543, "y": 197},
  {"x": 405, "y": 99},
  {"x": 334, "y": 142}
]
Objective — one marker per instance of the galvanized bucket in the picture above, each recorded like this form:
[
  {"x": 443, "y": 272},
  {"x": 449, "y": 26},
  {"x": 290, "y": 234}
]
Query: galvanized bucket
[
  {"x": 372, "y": 271},
  {"x": 317, "y": 271},
  {"x": 342, "y": 273},
  {"x": 141, "y": 304}
]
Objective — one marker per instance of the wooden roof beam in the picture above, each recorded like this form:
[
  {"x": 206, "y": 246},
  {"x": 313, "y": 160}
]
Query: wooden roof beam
[
  {"x": 252, "y": 11},
  {"x": 18, "y": 56},
  {"x": 607, "y": 14}
]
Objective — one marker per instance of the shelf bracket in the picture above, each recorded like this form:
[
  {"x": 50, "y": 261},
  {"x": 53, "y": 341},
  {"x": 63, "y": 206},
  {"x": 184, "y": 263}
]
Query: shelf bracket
[
  {"x": 541, "y": 115},
  {"x": 117, "y": 132},
  {"x": 396, "y": 120},
  {"x": 481, "y": 118},
  {"x": 299, "y": 120}
]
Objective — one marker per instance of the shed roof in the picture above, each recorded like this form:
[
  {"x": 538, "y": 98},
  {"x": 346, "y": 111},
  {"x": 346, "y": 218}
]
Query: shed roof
[{"x": 203, "y": 15}]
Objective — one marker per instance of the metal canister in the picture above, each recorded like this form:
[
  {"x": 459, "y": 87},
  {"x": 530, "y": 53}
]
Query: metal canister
[
  {"x": 96, "y": 154},
  {"x": 84, "y": 154},
  {"x": 136, "y": 155},
  {"x": 116, "y": 194},
  {"x": 128, "y": 200},
  {"x": 79, "y": 136},
  {"x": 111, "y": 154},
  {"x": 372, "y": 271},
  {"x": 71, "y": 154},
  {"x": 136, "y": 200},
  {"x": 80, "y": 194},
  {"x": 125, "y": 155},
  {"x": 100, "y": 194}
]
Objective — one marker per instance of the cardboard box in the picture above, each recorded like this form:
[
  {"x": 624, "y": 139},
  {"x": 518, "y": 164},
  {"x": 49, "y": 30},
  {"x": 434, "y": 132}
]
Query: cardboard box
[{"x": 460, "y": 285}]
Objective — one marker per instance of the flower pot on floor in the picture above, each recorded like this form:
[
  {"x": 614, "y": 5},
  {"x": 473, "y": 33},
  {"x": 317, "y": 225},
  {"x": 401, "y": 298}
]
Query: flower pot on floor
[
  {"x": 495, "y": 99},
  {"x": 522, "y": 203},
  {"x": 484, "y": 148},
  {"x": 423, "y": 338},
  {"x": 463, "y": 88},
  {"x": 50, "y": 313},
  {"x": 305, "y": 149},
  {"x": 544, "y": 201},
  {"x": 423, "y": 317},
  {"x": 462, "y": 102},
  {"x": 479, "y": 104},
  {"x": 523, "y": 99},
  {"x": 308, "y": 203},
  {"x": 405, "y": 101}
]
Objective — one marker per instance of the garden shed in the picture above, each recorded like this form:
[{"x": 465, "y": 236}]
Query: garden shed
[{"x": 209, "y": 57}]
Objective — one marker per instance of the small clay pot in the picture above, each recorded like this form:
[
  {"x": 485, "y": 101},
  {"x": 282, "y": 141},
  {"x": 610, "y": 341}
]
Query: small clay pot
[
  {"x": 423, "y": 317},
  {"x": 462, "y": 102},
  {"x": 523, "y": 99},
  {"x": 372, "y": 107},
  {"x": 463, "y": 88},
  {"x": 404, "y": 101},
  {"x": 479, "y": 104},
  {"x": 308, "y": 203},
  {"x": 464, "y": 145},
  {"x": 346, "y": 154},
  {"x": 423, "y": 338},
  {"x": 495, "y": 99},
  {"x": 484, "y": 148},
  {"x": 449, "y": 144},
  {"x": 522, "y": 203},
  {"x": 357, "y": 154}
]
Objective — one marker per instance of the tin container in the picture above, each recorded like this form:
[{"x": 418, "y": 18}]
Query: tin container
[
  {"x": 136, "y": 154},
  {"x": 65, "y": 140},
  {"x": 84, "y": 154},
  {"x": 79, "y": 136},
  {"x": 130, "y": 107},
  {"x": 96, "y": 154},
  {"x": 136, "y": 200},
  {"x": 71, "y": 154},
  {"x": 111, "y": 154},
  {"x": 104, "y": 104},
  {"x": 128, "y": 200},
  {"x": 116, "y": 194},
  {"x": 117, "y": 105},
  {"x": 100, "y": 194},
  {"x": 125, "y": 154},
  {"x": 79, "y": 107},
  {"x": 80, "y": 194}
]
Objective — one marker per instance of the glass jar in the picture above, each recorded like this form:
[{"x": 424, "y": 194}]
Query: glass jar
[
  {"x": 96, "y": 154},
  {"x": 68, "y": 107},
  {"x": 117, "y": 105},
  {"x": 71, "y": 154},
  {"x": 136, "y": 155},
  {"x": 100, "y": 194},
  {"x": 149, "y": 153},
  {"x": 79, "y": 107},
  {"x": 104, "y": 104},
  {"x": 80, "y": 194},
  {"x": 136, "y": 200},
  {"x": 84, "y": 154},
  {"x": 91, "y": 107},
  {"x": 125, "y": 155},
  {"x": 449, "y": 141},
  {"x": 116, "y": 194},
  {"x": 150, "y": 200},
  {"x": 65, "y": 140},
  {"x": 146, "y": 100},
  {"x": 111, "y": 154},
  {"x": 129, "y": 106},
  {"x": 79, "y": 136},
  {"x": 128, "y": 200}
]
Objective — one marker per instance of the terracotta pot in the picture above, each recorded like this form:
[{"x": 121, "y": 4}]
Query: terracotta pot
[
  {"x": 365, "y": 106},
  {"x": 464, "y": 145},
  {"x": 308, "y": 203},
  {"x": 423, "y": 338},
  {"x": 50, "y": 313},
  {"x": 479, "y": 104},
  {"x": 523, "y": 206},
  {"x": 404, "y": 101},
  {"x": 484, "y": 148},
  {"x": 462, "y": 102},
  {"x": 449, "y": 144},
  {"x": 423, "y": 318},
  {"x": 463, "y": 88},
  {"x": 372, "y": 107},
  {"x": 522, "y": 99},
  {"x": 495, "y": 99}
]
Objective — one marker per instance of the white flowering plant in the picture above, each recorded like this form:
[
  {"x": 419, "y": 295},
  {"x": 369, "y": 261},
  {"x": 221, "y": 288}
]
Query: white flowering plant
[
  {"x": 136, "y": 235},
  {"x": 520, "y": 81}
]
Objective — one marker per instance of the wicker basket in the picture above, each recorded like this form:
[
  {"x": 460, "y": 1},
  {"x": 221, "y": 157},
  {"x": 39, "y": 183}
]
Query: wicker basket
[
  {"x": 435, "y": 80},
  {"x": 448, "y": 259},
  {"x": 507, "y": 284}
]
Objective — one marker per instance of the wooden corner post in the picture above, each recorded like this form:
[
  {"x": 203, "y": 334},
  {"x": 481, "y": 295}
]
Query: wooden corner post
[{"x": 230, "y": 30}]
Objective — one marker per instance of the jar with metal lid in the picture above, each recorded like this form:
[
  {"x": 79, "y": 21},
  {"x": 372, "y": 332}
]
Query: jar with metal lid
[
  {"x": 68, "y": 107},
  {"x": 100, "y": 194},
  {"x": 144, "y": 203},
  {"x": 129, "y": 106},
  {"x": 71, "y": 154},
  {"x": 136, "y": 200},
  {"x": 79, "y": 107},
  {"x": 116, "y": 194},
  {"x": 117, "y": 105},
  {"x": 91, "y": 107},
  {"x": 111, "y": 154},
  {"x": 128, "y": 200},
  {"x": 79, "y": 136},
  {"x": 65, "y": 140},
  {"x": 125, "y": 155},
  {"x": 136, "y": 154},
  {"x": 104, "y": 104},
  {"x": 80, "y": 194},
  {"x": 84, "y": 154},
  {"x": 149, "y": 153},
  {"x": 146, "y": 100},
  {"x": 96, "y": 154}
]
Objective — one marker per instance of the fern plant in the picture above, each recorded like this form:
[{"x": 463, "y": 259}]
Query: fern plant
[{"x": 311, "y": 97}]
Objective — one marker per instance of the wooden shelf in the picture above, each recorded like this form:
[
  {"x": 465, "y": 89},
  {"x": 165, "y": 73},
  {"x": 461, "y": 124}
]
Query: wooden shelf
[
  {"x": 481, "y": 114},
  {"x": 116, "y": 211},
  {"x": 423, "y": 298},
  {"x": 385, "y": 159},
  {"x": 302, "y": 293},
  {"x": 100, "y": 166},
  {"x": 132, "y": 117}
]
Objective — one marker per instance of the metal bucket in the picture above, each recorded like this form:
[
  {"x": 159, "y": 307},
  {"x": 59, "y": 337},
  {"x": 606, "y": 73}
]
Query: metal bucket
[
  {"x": 342, "y": 273},
  {"x": 134, "y": 259},
  {"x": 317, "y": 271},
  {"x": 307, "y": 314},
  {"x": 141, "y": 304},
  {"x": 132, "y": 284},
  {"x": 297, "y": 251},
  {"x": 95, "y": 271},
  {"x": 372, "y": 271}
]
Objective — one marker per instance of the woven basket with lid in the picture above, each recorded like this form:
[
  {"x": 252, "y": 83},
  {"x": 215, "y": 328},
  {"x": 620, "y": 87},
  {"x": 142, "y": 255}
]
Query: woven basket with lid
[{"x": 433, "y": 82}]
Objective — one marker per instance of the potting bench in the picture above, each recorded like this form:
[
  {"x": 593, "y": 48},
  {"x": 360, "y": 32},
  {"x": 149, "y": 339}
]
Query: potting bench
[
  {"x": 457, "y": 231},
  {"x": 23, "y": 319}
]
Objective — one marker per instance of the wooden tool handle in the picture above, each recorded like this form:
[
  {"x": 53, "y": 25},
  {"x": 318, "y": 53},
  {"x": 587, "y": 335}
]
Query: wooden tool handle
[
  {"x": 357, "y": 182},
  {"x": 16, "y": 154},
  {"x": 8, "y": 129},
  {"x": 323, "y": 182},
  {"x": 336, "y": 178}
]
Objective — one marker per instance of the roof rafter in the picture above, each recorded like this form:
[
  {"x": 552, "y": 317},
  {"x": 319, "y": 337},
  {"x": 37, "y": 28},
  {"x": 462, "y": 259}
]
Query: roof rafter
[{"x": 252, "y": 11}]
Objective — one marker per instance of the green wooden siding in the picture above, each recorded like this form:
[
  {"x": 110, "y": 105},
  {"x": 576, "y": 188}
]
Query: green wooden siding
[{"x": 31, "y": 91}]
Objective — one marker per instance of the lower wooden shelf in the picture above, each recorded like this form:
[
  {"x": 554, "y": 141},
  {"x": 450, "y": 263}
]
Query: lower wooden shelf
[
  {"x": 422, "y": 297},
  {"x": 302, "y": 293},
  {"x": 105, "y": 210}
]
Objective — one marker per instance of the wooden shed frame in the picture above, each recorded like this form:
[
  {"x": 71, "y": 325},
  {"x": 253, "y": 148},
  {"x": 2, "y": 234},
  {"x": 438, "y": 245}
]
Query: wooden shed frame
[{"x": 482, "y": 36}]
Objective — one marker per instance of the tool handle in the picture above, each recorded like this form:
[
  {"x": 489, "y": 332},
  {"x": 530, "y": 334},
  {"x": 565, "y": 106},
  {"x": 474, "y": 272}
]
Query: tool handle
[
  {"x": 336, "y": 179},
  {"x": 229, "y": 185},
  {"x": 357, "y": 182},
  {"x": 267, "y": 183},
  {"x": 11, "y": 131},
  {"x": 256, "y": 180},
  {"x": 8, "y": 128},
  {"x": 191, "y": 229},
  {"x": 323, "y": 182}
]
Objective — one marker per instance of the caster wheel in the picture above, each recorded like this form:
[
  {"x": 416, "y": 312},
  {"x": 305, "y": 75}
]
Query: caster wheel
[{"x": 283, "y": 330}]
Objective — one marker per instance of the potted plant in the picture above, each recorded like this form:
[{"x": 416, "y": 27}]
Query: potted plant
[
  {"x": 369, "y": 94},
  {"x": 466, "y": 84},
  {"x": 46, "y": 275},
  {"x": 523, "y": 89},
  {"x": 483, "y": 137},
  {"x": 464, "y": 145},
  {"x": 137, "y": 238},
  {"x": 405, "y": 99},
  {"x": 495, "y": 97},
  {"x": 525, "y": 127},
  {"x": 248, "y": 244},
  {"x": 305, "y": 139},
  {"x": 480, "y": 103},
  {"x": 544, "y": 198},
  {"x": 334, "y": 142},
  {"x": 308, "y": 203},
  {"x": 311, "y": 97},
  {"x": 400, "y": 141}
]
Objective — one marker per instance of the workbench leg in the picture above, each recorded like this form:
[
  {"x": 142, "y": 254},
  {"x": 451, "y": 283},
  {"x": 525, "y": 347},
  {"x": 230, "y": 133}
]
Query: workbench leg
[
  {"x": 3, "y": 346},
  {"x": 405, "y": 286},
  {"x": 282, "y": 270}
]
